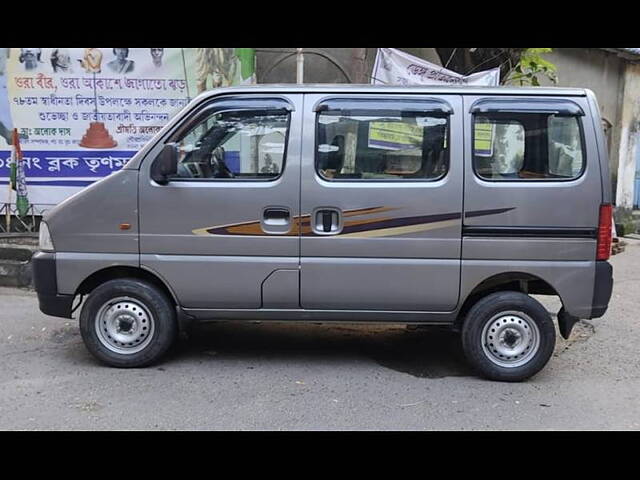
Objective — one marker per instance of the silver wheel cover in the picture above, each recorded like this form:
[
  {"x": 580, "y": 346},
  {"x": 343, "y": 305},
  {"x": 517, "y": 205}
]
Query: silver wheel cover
[
  {"x": 124, "y": 325},
  {"x": 510, "y": 339}
]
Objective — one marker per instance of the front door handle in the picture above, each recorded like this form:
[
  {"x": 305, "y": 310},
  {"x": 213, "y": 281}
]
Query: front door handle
[
  {"x": 276, "y": 216},
  {"x": 276, "y": 220}
]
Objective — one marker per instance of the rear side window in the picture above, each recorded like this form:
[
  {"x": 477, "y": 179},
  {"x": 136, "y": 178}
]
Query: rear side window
[
  {"x": 527, "y": 146},
  {"x": 379, "y": 146}
]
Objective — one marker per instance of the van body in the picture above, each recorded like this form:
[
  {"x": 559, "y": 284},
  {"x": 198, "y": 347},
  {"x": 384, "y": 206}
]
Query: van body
[{"x": 441, "y": 206}]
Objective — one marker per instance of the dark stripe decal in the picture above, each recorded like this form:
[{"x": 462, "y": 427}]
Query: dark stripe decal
[
  {"x": 544, "y": 232},
  {"x": 482, "y": 213}
]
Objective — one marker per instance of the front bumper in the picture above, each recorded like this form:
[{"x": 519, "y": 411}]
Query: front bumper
[{"x": 44, "y": 277}]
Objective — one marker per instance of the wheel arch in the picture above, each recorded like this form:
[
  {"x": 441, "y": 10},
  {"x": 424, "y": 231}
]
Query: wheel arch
[
  {"x": 103, "y": 275},
  {"x": 517, "y": 281}
]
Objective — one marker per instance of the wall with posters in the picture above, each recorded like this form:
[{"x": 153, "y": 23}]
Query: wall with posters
[{"x": 82, "y": 113}]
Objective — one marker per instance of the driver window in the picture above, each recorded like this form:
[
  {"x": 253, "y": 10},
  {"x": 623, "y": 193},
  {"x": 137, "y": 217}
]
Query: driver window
[{"x": 244, "y": 144}]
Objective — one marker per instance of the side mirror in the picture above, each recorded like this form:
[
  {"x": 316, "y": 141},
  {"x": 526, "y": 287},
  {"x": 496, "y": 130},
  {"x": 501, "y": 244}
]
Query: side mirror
[{"x": 165, "y": 164}]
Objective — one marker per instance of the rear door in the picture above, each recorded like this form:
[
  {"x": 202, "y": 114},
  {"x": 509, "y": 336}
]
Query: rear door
[
  {"x": 532, "y": 188},
  {"x": 222, "y": 232},
  {"x": 381, "y": 202}
]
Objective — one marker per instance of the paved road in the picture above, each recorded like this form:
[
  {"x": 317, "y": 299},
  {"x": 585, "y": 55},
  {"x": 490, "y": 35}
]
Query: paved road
[{"x": 276, "y": 377}]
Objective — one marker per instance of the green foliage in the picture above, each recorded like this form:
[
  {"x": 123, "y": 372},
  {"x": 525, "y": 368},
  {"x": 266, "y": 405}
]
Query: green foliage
[{"x": 530, "y": 67}]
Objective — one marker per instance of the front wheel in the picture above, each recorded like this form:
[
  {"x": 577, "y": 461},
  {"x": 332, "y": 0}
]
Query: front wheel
[
  {"x": 508, "y": 336},
  {"x": 128, "y": 323}
]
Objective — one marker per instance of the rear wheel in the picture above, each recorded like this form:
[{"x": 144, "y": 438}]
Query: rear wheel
[
  {"x": 508, "y": 336},
  {"x": 128, "y": 323}
]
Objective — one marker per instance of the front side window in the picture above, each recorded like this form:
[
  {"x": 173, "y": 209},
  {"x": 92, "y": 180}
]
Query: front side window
[
  {"x": 406, "y": 146},
  {"x": 527, "y": 146},
  {"x": 244, "y": 144}
]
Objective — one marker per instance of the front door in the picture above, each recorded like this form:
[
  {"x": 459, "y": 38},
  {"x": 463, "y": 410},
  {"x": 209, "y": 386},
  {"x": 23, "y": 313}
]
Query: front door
[
  {"x": 381, "y": 202},
  {"x": 223, "y": 232}
]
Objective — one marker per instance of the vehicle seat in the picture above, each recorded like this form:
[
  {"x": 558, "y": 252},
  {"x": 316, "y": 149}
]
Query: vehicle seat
[{"x": 334, "y": 160}]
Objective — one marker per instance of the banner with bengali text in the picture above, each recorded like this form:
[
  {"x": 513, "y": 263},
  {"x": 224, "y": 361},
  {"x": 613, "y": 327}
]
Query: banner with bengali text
[
  {"x": 82, "y": 113},
  {"x": 395, "y": 67}
]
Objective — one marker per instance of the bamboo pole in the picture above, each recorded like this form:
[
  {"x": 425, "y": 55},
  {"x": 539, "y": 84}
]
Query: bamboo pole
[{"x": 8, "y": 205}]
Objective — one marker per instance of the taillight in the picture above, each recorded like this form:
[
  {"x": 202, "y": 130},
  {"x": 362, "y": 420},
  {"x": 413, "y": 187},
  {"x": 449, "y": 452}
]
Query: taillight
[{"x": 603, "y": 250}]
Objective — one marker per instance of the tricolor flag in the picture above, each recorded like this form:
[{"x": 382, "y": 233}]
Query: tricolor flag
[{"x": 17, "y": 180}]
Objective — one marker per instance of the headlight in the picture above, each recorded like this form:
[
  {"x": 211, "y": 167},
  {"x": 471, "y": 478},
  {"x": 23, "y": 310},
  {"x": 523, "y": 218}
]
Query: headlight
[{"x": 46, "y": 245}]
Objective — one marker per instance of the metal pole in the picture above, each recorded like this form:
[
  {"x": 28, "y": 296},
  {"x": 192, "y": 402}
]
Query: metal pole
[{"x": 300, "y": 66}]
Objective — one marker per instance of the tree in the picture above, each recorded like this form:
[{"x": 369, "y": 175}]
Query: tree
[{"x": 518, "y": 66}]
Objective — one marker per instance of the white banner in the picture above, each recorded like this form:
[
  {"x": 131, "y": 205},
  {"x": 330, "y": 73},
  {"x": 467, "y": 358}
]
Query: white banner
[{"x": 394, "y": 67}]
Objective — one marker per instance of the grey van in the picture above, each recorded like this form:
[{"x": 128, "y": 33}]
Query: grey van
[{"x": 443, "y": 206}]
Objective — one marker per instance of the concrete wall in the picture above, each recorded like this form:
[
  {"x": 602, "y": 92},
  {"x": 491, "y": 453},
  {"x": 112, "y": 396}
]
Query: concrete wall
[
  {"x": 629, "y": 136},
  {"x": 324, "y": 65},
  {"x": 321, "y": 65},
  {"x": 602, "y": 72},
  {"x": 591, "y": 68}
]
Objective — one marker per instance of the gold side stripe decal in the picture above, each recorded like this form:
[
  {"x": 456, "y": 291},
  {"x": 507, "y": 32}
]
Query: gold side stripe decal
[{"x": 300, "y": 222}]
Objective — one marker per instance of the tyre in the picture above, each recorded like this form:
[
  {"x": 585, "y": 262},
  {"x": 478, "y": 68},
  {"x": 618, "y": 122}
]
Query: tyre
[
  {"x": 128, "y": 323},
  {"x": 508, "y": 336}
]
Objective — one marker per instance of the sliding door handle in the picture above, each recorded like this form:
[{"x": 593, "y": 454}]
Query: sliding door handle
[{"x": 327, "y": 221}]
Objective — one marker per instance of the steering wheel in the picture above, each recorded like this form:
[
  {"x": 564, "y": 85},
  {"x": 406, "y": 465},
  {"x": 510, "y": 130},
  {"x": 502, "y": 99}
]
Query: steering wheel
[{"x": 218, "y": 165}]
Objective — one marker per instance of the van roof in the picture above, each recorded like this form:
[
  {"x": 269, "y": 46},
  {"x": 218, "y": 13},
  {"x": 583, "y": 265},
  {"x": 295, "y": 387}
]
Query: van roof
[{"x": 367, "y": 88}]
